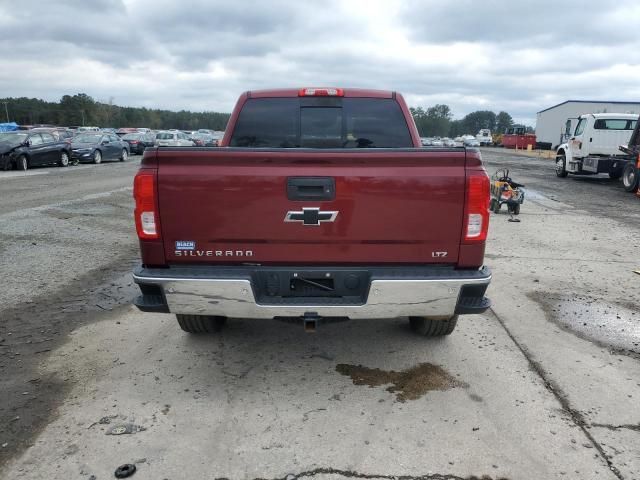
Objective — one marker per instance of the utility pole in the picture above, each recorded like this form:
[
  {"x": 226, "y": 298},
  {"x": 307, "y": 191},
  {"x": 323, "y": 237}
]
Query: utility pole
[{"x": 6, "y": 110}]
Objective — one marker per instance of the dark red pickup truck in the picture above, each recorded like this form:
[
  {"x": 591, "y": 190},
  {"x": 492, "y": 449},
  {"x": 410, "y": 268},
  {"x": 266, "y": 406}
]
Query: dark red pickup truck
[{"x": 320, "y": 204}]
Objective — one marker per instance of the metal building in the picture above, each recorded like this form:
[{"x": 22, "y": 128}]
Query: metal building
[{"x": 553, "y": 123}]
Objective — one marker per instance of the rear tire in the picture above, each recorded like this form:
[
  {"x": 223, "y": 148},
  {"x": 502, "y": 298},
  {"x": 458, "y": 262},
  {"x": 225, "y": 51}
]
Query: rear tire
[
  {"x": 561, "y": 166},
  {"x": 22, "y": 163},
  {"x": 8, "y": 164},
  {"x": 496, "y": 207},
  {"x": 124, "y": 156},
  {"x": 64, "y": 159},
  {"x": 630, "y": 177},
  {"x": 201, "y": 323},
  {"x": 433, "y": 327}
]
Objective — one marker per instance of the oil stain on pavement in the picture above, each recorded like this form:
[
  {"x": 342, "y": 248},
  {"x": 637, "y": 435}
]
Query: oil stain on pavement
[{"x": 409, "y": 384}]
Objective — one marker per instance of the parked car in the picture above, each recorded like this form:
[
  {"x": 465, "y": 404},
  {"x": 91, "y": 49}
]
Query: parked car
[
  {"x": 88, "y": 129},
  {"x": 124, "y": 131},
  {"x": 218, "y": 136},
  {"x": 59, "y": 133},
  {"x": 210, "y": 140},
  {"x": 173, "y": 138},
  {"x": 25, "y": 149},
  {"x": 97, "y": 146},
  {"x": 197, "y": 140},
  {"x": 204, "y": 140},
  {"x": 139, "y": 141},
  {"x": 471, "y": 142}
]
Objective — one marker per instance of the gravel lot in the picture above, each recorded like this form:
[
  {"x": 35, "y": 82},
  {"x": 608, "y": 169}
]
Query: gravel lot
[{"x": 545, "y": 385}]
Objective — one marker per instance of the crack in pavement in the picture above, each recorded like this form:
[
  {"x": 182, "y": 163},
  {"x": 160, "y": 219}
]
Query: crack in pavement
[
  {"x": 354, "y": 474},
  {"x": 556, "y": 259},
  {"x": 635, "y": 428},
  {"x": 561, "y": 397}
]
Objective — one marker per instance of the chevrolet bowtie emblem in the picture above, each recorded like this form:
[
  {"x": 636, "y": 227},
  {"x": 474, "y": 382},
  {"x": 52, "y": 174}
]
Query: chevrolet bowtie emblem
[{"x": 310, "y": 216}]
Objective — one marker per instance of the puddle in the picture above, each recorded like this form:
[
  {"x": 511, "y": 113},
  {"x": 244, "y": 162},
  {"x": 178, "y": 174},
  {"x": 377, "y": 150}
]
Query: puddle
[
  {"x": 535, "y": 195},
  {"x": 408, "y": 384},
  {"x": 606, "y": 324}
]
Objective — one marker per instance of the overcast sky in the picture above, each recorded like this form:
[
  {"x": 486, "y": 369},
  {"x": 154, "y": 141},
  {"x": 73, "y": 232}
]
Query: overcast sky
[{"x": 200, "y": 55}]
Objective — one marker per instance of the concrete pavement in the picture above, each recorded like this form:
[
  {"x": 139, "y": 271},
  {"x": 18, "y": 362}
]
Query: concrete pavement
[{"x": 543, "y": 386}]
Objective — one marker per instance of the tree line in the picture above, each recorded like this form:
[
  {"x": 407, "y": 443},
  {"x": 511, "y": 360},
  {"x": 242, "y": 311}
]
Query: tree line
[
  {"x": 437, "y": 121},
  {"x": 81, "y": 109}
]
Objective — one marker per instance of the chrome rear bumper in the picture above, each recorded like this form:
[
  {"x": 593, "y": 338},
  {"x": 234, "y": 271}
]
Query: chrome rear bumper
[{"x": 391, "y": 292}]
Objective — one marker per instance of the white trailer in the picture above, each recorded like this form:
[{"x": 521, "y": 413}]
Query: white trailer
[{"x": 594, "y": 146}]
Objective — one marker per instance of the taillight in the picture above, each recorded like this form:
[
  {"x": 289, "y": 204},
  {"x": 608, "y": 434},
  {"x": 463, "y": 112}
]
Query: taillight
[
  {"x": 321, "y": 92},
  {"x": 476, "y": 208},
  {"x": 146, "y": 212}
]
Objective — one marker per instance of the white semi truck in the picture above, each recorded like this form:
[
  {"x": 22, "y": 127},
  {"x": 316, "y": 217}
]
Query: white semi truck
[
  {"x": 594, "y": 146},
  {"x": 484, "y": 137}
]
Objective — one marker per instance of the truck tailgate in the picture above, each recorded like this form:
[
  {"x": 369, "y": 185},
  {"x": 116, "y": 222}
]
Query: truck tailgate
[{"x": 229, "y": 205}]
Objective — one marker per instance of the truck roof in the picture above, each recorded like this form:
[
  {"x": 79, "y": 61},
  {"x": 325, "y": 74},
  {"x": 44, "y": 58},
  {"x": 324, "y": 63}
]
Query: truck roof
[
  {"x": 625, "y": 116},
  {"x": 293, "y": 92}
]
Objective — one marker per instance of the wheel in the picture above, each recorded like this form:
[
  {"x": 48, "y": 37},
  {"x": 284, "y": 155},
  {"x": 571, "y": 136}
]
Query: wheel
[
  {"x": 561, "y": 166},
  {"x": 22, "y": 163},
  {"x": 630, "y": 177},
  {"x": 492, "y": 204},
  {"x": 433, "y": 327},
  {"x": 124, "y": 156},
  {"x": 64, "y": 159},
  {"x": 200, "y": 323},
  {"x": 97, "y": 156},
  {"x": 8, "y": 164},
  {"x": 496, "y": 207},
  {"x": 615, "y": 175}
]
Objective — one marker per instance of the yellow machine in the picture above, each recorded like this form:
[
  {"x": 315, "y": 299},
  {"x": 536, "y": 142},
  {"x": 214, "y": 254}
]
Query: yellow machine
[{"x": 505, "y": 190}]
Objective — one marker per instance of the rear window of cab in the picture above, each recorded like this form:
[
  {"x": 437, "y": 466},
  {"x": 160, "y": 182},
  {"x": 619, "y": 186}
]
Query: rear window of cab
[
  {"x": 321, "y": 123},
  {"x": 614, "y": 124}
]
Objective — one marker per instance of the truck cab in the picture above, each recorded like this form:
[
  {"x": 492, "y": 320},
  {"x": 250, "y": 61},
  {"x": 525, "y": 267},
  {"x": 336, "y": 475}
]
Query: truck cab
[
  {"x": 484, "y": 137},
  {"x": 594, "y": 145}
]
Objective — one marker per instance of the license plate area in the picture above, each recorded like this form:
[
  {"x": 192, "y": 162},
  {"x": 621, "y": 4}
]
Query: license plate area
[
  {"x": 281, "y": 286},
  {"x": 311, "y": 286}
]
